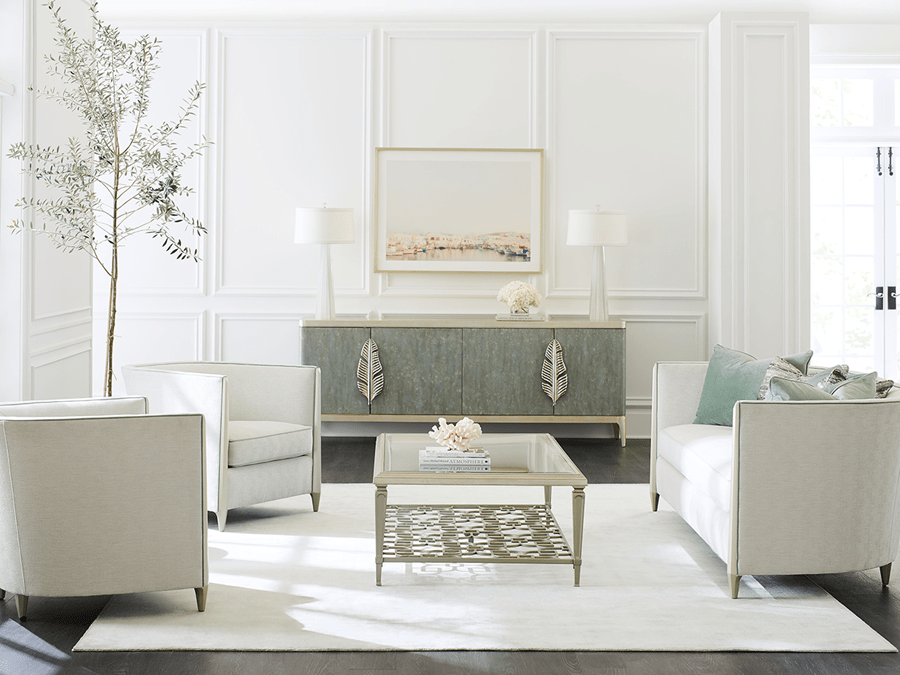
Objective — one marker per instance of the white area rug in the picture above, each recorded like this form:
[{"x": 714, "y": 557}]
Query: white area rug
[{"x": 286, "y": 579}]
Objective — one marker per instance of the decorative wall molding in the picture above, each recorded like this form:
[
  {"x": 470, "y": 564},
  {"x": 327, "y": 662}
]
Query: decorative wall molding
[
  {"x": 389, "y": 36},
  {"x": 222, "y": 36},
  {"x": 696, "y": 35},
  {"x": 759, "y": 202}
]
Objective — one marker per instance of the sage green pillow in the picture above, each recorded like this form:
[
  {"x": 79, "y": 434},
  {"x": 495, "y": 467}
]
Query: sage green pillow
[
  {"x": 734, "y": 376},
  {"x": 783, "y": 389},
  {"x": 855, "y": 386}
]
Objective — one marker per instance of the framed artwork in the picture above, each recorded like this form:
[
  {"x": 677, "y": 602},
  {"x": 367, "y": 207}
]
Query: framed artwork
[{"x": 444, "y": 210}]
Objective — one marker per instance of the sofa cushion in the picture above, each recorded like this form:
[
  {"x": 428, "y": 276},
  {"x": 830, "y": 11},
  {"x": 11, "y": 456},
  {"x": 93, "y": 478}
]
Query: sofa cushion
[
  {"x": 703, "y": 454},
  {"x": 254, "y": 442},
  {"x": 734, "y": 376}
]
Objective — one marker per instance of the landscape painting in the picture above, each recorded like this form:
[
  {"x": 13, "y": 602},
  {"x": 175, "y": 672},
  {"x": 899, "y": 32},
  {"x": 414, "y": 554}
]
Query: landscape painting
[{"x": 458, "y": 210}]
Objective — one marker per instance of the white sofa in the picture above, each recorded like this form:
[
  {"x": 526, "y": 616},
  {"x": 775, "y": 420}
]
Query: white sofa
[{"x": 793, "y": 487}]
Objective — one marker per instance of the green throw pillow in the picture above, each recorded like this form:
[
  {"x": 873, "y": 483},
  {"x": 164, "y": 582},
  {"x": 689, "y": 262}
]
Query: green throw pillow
[
  {"x": 734, "y": 376},
  {"x": 855, "y": 386},
  {"x": 783, "y": 389}
]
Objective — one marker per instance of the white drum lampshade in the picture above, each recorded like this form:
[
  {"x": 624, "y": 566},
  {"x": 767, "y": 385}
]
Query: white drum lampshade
[
  {"x": 324, "y": 226},
  {"x": 598, "y": 228}
]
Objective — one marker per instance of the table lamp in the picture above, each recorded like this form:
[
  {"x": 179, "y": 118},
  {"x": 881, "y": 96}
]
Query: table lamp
[
  {"x": 597, "y": 228},
  {"x": 324, "y": 226}
]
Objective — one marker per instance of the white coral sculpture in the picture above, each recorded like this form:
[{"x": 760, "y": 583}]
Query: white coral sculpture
[
  {"x": 457, "y": 436},
  {"x": 519, "y": 296}
]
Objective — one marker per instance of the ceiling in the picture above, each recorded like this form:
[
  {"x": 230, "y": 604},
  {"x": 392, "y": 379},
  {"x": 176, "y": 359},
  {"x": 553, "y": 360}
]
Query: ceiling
[{"x": 506, "y": 11}]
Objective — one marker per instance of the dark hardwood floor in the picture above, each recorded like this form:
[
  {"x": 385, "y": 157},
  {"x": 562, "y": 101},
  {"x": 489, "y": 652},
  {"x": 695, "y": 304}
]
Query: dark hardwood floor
[{"x": 43, "y": 645}]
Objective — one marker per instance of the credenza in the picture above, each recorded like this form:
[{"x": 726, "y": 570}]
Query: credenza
[{"x": 485, "y": 369}]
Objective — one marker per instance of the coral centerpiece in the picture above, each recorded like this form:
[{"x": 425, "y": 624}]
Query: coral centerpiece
[
  {"x": 519, "y": 296},
  {"x": 456, "y": 436}
]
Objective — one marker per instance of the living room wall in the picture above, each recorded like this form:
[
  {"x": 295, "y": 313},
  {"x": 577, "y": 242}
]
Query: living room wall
[{"x": 296, "y": 111}]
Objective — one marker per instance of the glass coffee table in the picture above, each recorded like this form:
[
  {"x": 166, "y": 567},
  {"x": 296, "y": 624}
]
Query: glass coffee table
[{"x": 477, "y": 533}]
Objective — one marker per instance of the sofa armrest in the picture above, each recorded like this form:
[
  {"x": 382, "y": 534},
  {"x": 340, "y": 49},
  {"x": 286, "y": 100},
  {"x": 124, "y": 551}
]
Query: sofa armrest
[
  {"x": 815, "y": 486},
  {"x": 677, "y": 386}
]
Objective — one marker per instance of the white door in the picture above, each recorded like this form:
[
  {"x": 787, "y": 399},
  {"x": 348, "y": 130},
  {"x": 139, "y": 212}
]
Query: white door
[{"x": 855, "y": 135}]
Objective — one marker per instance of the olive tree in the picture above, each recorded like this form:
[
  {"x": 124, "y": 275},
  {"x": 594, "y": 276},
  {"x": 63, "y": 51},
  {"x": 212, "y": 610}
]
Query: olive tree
[{"x": 123, "y": 176}]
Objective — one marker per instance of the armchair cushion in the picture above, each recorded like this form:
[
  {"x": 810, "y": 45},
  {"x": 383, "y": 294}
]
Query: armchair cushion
[
  {"x": 255, "y": 442},
  {"x": 734, "y": 376}
]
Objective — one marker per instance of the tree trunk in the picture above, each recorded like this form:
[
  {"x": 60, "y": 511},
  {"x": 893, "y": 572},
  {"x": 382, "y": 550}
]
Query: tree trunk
[{"x": 111, "y": 321}]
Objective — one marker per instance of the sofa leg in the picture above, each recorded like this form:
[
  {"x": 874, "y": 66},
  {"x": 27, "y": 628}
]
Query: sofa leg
[
  {"x": 654, "y": 501},
  {"x": 201, "y": 593},
  {"x": 734, "y": 581},
  {"x": 22, "y": 606},
  {"x": 315, "y": 499},
  {"x": 885, "y": 574},
  {"x": 221, "y": 516}
]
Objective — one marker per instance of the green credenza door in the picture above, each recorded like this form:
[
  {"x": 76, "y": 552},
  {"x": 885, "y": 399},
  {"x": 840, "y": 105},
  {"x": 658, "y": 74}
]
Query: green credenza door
[
  {"x": 502, "y": 371},
  {"x": 422, "y": 371},
  {"x": 595, "y": 366},
  {"x": 336, "y": 352}
]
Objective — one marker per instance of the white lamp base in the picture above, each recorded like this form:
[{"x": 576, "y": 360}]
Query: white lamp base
[
  {"x": 325, "y": 299},
  {"x": 598, "y": 308}
]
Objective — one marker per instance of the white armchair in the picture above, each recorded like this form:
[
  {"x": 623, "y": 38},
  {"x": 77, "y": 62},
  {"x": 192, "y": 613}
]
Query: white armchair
[
  {"x": 263, "y": 426},
  {"x": 98, "y": 498},
  {"x": 793, "y": 487}
]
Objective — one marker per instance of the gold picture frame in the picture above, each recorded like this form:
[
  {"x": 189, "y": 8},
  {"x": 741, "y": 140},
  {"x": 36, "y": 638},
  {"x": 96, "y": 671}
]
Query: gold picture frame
[{"x": 458, "y": 210}]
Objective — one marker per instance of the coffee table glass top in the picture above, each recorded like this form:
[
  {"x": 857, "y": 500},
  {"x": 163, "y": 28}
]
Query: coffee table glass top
[{"x": 526, "y": 459}]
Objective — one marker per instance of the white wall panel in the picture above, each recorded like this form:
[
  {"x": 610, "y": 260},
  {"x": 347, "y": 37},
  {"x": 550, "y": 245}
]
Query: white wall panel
[
  {"x": 253, "y": 338},
  {"x": 459, "y": 89},
  {"x": 63, "y": 372},
  {"x": 144, "y": 265},
  {"x": 628, "y": 133},
  {"x": 293, "y": 123},
  {"x": 652, "y": 338},
  {"x": 759, "y": 200},
  {"x": 147, "y": 337}
]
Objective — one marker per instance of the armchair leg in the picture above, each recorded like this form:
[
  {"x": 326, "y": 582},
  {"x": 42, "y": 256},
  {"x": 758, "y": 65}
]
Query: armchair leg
[
  {"x": 315, "y": 499},
  {"x": 201, "y": 597},
  {"x": 734, "y": 581},
  {"x": 654, "y": 501},
  {"x": 220, "y": 519},
  {"x": 21, "y": 606},
  {"x": 885, "y": 574}
]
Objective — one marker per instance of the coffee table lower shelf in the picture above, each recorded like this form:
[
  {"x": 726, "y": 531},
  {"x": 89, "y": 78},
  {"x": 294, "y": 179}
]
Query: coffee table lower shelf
[{"x": 455, "y": 533}]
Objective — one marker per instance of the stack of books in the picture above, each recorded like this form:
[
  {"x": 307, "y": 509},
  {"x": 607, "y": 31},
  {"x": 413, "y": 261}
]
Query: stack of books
[{"x": 444, "y": 459}]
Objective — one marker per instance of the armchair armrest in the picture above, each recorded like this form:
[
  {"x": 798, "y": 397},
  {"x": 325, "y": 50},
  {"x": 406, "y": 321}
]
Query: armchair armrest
[{"x": 815, "y": 486}]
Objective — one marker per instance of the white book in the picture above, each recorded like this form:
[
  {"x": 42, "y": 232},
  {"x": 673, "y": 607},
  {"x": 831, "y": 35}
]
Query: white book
[
  {"x": 454, "y": 460},
  {"x": 454, "y": 468},
  {"x": 450, "y": 452}
]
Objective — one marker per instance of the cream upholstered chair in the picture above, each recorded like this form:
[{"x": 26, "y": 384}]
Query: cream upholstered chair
[
  {"x": 99, "y": 498},
  {"x": 263, "y": 425}
]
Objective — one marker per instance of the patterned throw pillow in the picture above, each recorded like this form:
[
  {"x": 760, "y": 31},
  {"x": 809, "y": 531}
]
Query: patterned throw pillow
[{"x": 823, "y": 378}]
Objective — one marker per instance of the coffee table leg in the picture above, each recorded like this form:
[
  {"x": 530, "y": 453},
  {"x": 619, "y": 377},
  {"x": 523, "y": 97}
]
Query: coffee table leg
[
  {"x": 578, "y": 530},
  {"x": 380, "y": 513},
  {"x": 548, "y": 489}
]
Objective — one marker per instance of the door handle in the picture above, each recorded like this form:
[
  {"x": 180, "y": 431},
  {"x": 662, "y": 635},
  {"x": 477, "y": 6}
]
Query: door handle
[{"x": 879, "y": 297}]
